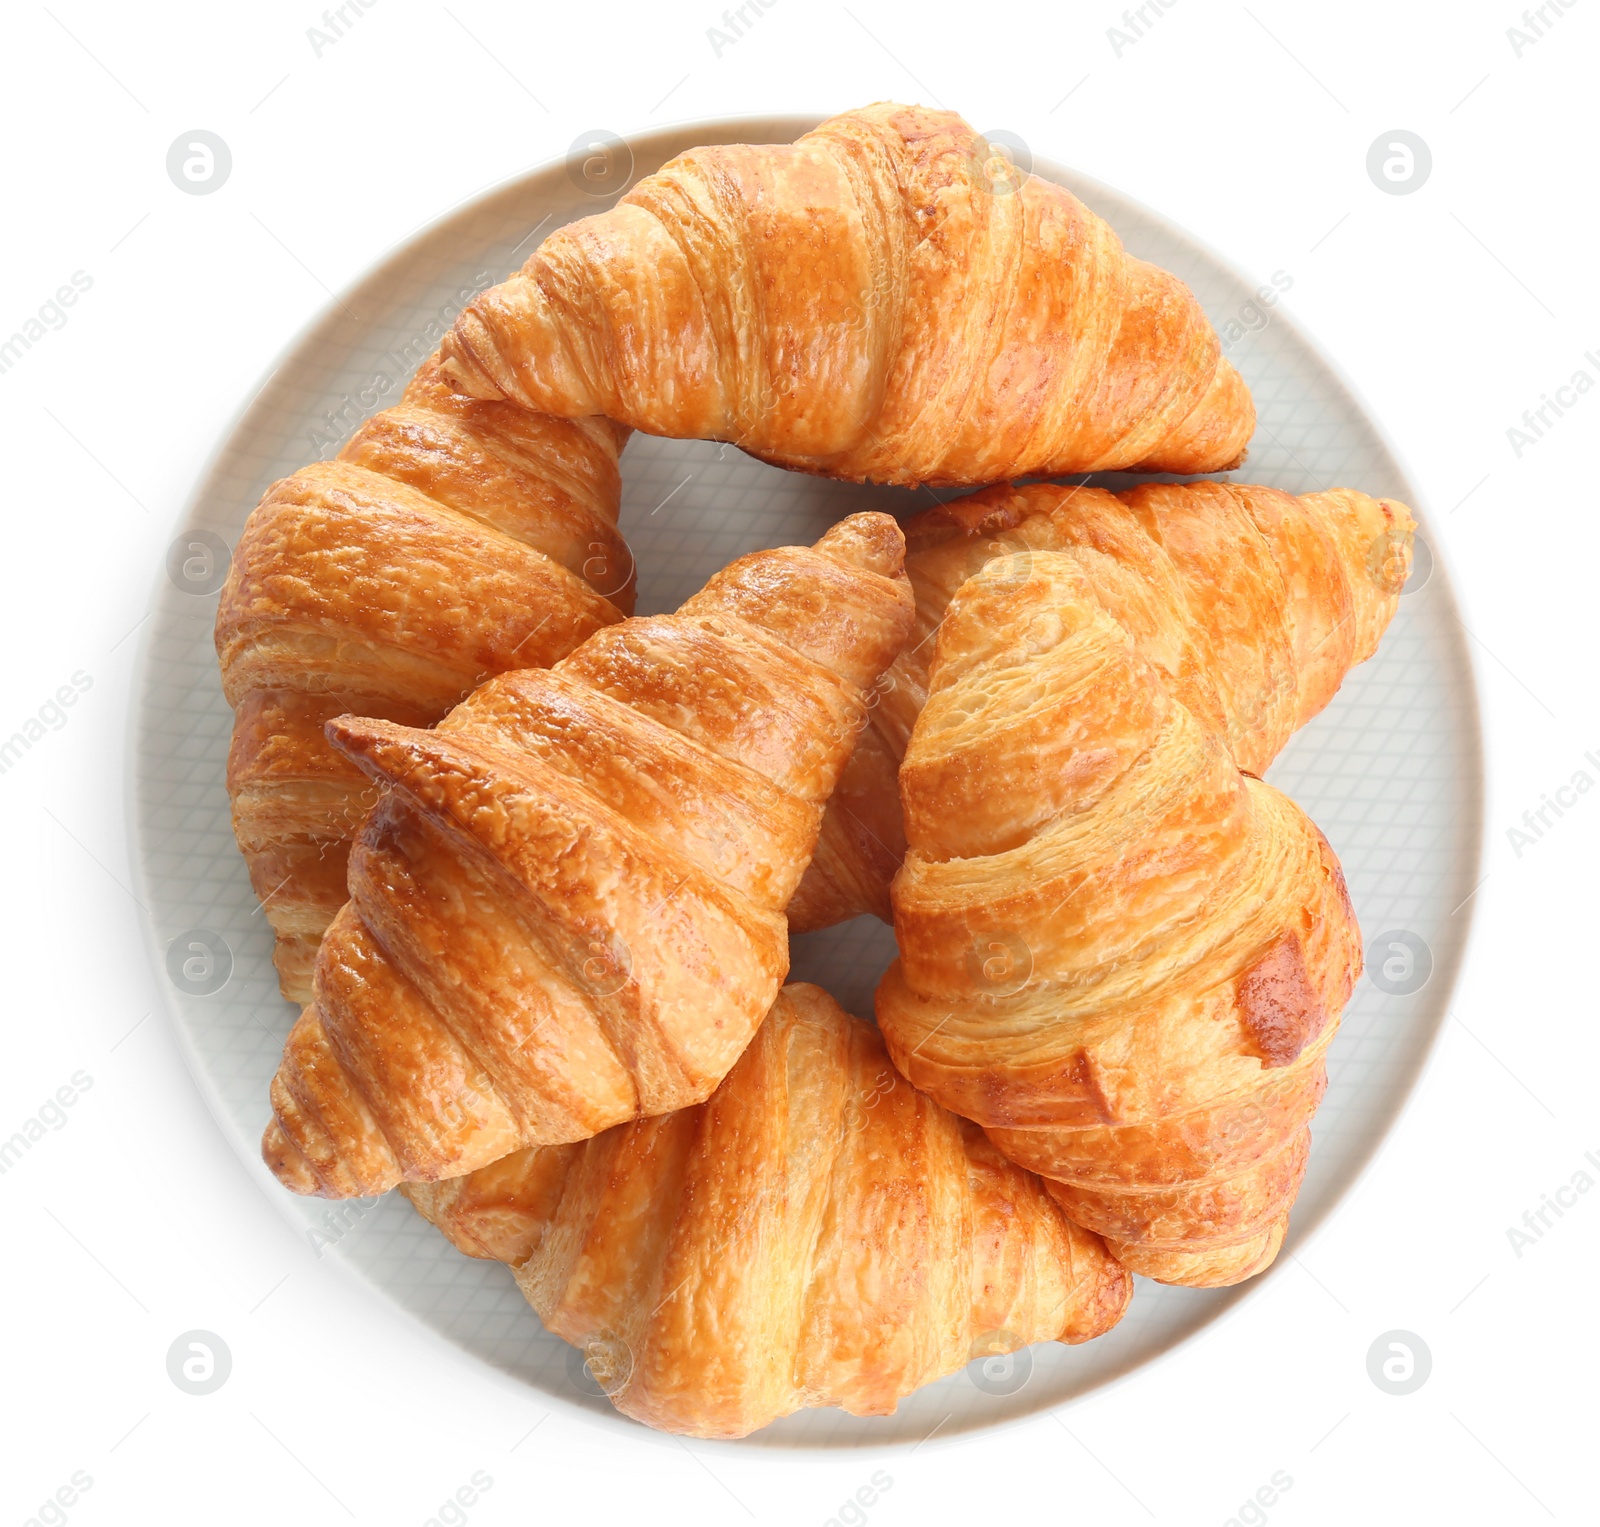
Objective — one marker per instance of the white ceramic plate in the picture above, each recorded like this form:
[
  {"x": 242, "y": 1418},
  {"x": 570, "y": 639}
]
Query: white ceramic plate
[{"x": 1391, "y": 771}]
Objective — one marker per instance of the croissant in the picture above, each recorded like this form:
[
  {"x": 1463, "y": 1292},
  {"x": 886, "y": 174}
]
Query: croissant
[
  {"x": 885, "y": 299},
  {"x": 449, "y": 540},
  {"x": 566, "y": 909},
  {"x": 817, "y": 1233},
  {"x": 1121, "y": 955},
  {"x": 1252, "y": 603}
]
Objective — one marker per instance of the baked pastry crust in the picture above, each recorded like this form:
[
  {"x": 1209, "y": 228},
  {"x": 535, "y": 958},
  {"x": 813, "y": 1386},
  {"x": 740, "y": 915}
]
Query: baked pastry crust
[
  {"x": 1120, "y": 954},
  {"x": 816, "y": 1233},
  {"x": 566, "y": 909},
  {"x": 885, "y": 299},
  {"x": 449, "y": 540},
  {"x": 1251, "y": 602}
]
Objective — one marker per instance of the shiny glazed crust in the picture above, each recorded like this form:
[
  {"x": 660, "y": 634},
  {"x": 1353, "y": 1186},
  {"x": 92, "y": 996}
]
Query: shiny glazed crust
[
  {"x": 816, "y": 1233},
  {"x": 1252, "y": 603},
  {"x": 449, "y": 540},
  {"x": 567, "y": 906},
  {"x": 884, "y": 299},
  {"x": 1121, "y": 955}
]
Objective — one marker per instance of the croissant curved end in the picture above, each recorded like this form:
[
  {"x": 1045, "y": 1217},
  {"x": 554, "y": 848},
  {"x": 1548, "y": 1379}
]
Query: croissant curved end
[
  {"x": 1215, "y": 437},
  {"x": 459, "y": 364},
  {"x": 286, "y": 1163},
  {"x": 871, "y": 541},
  {"x": 1219, "y": 1267}
]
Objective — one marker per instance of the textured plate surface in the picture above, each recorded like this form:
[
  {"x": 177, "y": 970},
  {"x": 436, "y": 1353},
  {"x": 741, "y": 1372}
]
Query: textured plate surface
[{"x": 1391, "y": 771}]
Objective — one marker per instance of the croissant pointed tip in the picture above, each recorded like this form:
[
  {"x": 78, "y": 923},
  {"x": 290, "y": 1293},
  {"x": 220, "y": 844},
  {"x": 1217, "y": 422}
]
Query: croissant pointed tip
[
  {"x": 286, "y": 1163},
  {"x": 359, "y": 738},
  {"x": 459, "y": 365},
  {"x": 870, "y": 541},
  {"x": 348, "y": 734}
]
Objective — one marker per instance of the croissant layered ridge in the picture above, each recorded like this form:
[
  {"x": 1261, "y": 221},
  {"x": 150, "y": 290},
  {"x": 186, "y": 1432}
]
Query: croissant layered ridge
[
  {"x": 449, "y": 540},
  {"x": 1253, "y": 604},
  {"x": 1120, "y": 954},
  {"x": 566, "y": 907},
  {"x": 817, "y": 1233},
  {"x": 884, "y": 299}
]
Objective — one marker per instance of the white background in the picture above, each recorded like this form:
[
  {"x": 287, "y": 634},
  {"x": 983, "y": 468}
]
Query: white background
[{"x": 1453, "y": 309}]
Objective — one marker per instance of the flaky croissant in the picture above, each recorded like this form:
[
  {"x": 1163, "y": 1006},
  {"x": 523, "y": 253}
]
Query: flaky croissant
[
  {"x": 566, "y": 910},
  {"x": 1252, "y": 603},
  {"x": 817, "y": 1233},
  {"x": 885, "y": 299},
  {"x": 1119, "y": 954},
  {"x": 449, "y": 540}
]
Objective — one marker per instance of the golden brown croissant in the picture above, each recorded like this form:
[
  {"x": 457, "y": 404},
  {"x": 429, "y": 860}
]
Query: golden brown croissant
[
  {"x": 566, "y": 910},
  {"x": 817, "y": 1233},
  {"x": 884, "y": 299},
  {"x": 449, "y": 540},
  {"x": 1119, "y": 954},
  {"x": 1252, "y": 603}
]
